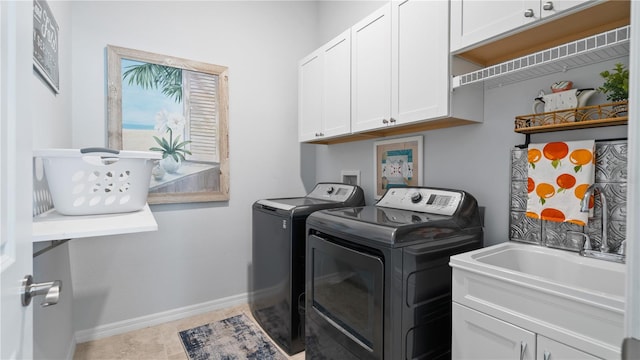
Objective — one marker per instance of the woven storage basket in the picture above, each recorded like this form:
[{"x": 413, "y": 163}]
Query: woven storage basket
[{"x": 97, "y": 180}]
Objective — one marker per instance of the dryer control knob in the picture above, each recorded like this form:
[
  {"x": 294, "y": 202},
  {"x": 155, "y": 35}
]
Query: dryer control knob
[
  {"x": 330, "y": 190},
  {"x": 416, "y": 197}
]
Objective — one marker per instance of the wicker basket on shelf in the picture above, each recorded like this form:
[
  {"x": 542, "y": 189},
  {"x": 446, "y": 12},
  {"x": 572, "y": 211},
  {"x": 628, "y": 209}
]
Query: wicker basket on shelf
[{"x": 579, "y": 118}]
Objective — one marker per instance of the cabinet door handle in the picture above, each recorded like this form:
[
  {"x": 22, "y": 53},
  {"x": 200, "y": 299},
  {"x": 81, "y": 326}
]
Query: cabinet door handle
[
  {"x": 523, "y": 348},
  {"x": 385, "y": 121},
  {"x": 393, "y": 121},
  {"x": 547, "y": 355},
  {"x": 529, "y": 13},
  {"x": 547, "y": 6}
]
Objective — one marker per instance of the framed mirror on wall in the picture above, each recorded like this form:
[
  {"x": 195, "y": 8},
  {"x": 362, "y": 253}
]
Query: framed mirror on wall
[{"x": 177, "y": 107}]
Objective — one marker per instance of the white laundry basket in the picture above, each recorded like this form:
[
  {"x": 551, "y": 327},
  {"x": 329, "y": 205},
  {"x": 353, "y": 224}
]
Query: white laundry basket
[{"x": 97, "y": 180}]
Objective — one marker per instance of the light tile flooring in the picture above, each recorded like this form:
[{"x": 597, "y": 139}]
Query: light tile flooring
[{"x": 160, "y": 342}]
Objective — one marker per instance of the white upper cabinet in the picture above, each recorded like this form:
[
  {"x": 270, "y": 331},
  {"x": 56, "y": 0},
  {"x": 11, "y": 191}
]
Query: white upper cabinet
[
  {"x": 336, "y": 109},
  {"x": 310, "y": 96},
  {"x": 549, "y": 8},
  {"x": 474, "y": 21},
  {"x": 400, "y": 74},
  {"x": 371, "y": 71},
  {"x": 324, "y": 91},
  {"x": 400, "y": 71},
  {"x": 419, "y": 60}
]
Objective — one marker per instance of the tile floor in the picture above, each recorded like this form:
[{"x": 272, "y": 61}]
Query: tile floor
[{"x": 160, "y": 342}]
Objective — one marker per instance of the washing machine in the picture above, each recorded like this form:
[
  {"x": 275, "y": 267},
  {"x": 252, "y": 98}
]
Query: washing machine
[
  {"x": 276, "y": 295},
  {"x": 378, "y": 277}
]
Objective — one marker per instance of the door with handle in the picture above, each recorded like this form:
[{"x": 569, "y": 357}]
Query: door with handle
[{"x": 16, "y": 77}]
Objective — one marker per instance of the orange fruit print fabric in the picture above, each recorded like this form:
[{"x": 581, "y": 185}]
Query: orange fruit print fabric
[{"x": 558, "y": 175}]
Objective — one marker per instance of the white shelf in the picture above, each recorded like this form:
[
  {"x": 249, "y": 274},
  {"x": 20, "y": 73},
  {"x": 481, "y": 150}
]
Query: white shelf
[
  {"x": 51, "y": 225},
  {"x": 597, "y": 48}
]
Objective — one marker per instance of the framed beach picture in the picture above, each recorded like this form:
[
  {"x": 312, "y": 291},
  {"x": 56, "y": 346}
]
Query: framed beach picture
[
  {"x": 179, "y": 108},
  {"x": 397, "y": 163}
]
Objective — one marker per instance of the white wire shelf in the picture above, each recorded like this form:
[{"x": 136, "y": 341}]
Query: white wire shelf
[{"x": 593, "y": 49}]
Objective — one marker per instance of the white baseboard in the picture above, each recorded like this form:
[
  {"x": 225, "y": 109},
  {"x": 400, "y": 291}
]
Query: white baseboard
[
  {"x": 121, "y": 327},
  {"x": 72, "y": 349}
]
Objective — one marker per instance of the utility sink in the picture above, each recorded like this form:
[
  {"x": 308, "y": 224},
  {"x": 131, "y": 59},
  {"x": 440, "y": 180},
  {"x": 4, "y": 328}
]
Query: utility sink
[
  {"x": 555, "y": 293},
  {"x": 562, "y": 267}
]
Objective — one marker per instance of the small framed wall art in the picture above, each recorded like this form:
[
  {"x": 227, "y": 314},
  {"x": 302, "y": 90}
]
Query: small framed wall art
[
  {"x": 397, "y": 163},
  {"x": 45, "y": 44}
]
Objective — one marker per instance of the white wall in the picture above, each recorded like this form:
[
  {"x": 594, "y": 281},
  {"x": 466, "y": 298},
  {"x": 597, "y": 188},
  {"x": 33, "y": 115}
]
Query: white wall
[
  {"x": 51, "y": 118},
  {"x": 334, "y": 17},
  {"x": 202, "y": 252}
]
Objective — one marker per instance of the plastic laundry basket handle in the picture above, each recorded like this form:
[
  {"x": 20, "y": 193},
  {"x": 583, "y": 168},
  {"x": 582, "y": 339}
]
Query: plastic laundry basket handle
[{"x": 99, "y": 149}]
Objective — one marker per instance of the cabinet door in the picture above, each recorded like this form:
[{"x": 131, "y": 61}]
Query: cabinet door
[
  {"x": 478, "y": 336},
  {"x": 420, "y": 60},
  {"x": 310, "y": 96},
  {"x": 552, "y": 7},
  {"x": 552, "y": 350},
  {"x": 473, "y": 21},
  {"x": 336, "y": 107},
  {"x": 371, "y": 71}
]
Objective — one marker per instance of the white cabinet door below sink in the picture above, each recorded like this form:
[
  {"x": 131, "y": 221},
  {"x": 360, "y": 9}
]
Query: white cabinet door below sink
[
  {"x": 552, "y": 350},
  {"x": 479, "y": 336}
]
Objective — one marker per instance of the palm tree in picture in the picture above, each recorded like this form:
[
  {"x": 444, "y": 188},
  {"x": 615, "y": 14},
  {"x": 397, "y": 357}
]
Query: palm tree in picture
[{"x": 154, "y": 76}]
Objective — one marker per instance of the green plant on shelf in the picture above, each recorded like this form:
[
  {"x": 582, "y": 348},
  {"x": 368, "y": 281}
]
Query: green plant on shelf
[{"x": 616, "y": 83}]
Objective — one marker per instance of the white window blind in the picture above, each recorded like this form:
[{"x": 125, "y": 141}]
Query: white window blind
[{"x": 201, "y": 104}]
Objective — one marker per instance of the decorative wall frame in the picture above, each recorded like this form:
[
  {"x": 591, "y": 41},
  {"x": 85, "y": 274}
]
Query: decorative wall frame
[
  {"x": 45, "y": 44},
  {"x": 397, "y": 163},
  {"x": 176, "y": 106}
]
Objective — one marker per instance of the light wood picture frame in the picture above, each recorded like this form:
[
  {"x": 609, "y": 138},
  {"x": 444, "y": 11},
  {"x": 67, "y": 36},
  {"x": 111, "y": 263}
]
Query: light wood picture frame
[
  {"x": 178, "y": 107},
  {"x": 397, "y": 163}
]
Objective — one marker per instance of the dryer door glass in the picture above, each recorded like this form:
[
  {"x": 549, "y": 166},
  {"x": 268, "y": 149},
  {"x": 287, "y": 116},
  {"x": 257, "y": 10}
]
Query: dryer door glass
[{"x": 347, "y": 291}]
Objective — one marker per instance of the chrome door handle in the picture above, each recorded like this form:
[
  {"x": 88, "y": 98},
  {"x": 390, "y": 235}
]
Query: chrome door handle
[
  {"x": 529, "y": 13},
  {"x": 523, "y": 348},
  {"x": 547, "y": 355},
  {"x": 50, "y": 290},
  {"x": 547, "y": 6}
]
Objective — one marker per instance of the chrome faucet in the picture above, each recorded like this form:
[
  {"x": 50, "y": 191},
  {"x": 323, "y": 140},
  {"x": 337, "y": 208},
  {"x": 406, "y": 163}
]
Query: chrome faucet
[
  {"x": 604, "y": 253},
  {"x": 584, "y": 207}
]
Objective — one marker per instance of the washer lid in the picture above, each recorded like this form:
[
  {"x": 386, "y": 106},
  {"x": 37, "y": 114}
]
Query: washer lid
[
  {"x": 288, "y": 204},
  {"x": 386, "y": 216}
]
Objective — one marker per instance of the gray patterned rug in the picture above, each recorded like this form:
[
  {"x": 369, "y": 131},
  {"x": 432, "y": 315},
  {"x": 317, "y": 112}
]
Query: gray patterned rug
[{"x": 233, "y": 338}]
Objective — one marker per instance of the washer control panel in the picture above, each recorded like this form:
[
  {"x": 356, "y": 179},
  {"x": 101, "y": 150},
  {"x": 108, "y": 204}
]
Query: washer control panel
[
  {"x": 434, "y": 201},
  {"x": 333, "y": 192}
]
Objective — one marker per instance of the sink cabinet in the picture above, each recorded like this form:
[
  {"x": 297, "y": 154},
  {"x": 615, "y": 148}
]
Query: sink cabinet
[
  {"x": 571, "y": 304},
  {"x": 480, "y": 336},
  {"x": 548, "y": 349},
  {"x": 474, "y": 21}
]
